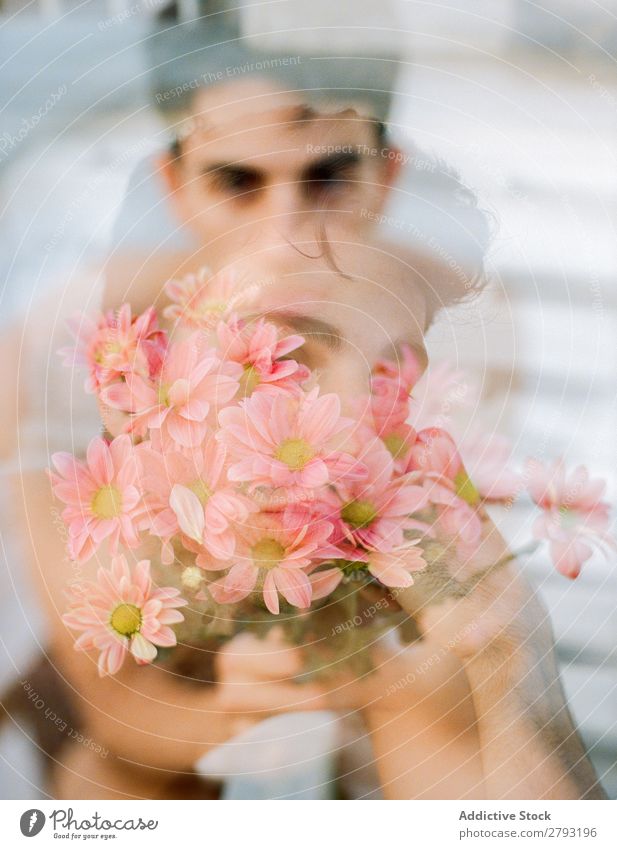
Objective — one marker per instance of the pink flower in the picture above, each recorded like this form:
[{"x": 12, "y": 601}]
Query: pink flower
[
  {"x": 258, "y": 349},
  {"x": 392, "y": 569},
  {"x": 201, "y": 300},
  {"x": 102, "y": 496},
  {"x": 435, "y": 455},
  {"x": 276, "y": 553},
  {"x": 395, "y": 568},
  {"x": 401, "y": 374},
  {"x": 448, "y": 487},
  {"x": 114, "y": 344},
  {"x": 441, "y": 392},
  {"x": 487, "y": 457},
  {"x": 284, "y": 440},
  {"x": 192, "y": 380},
  {"x": 387, "y": 420},
  {"x": 325, "y": 581},
  {"x": 574, "y": 518},
  {"x": 391, "y": 385},
  {"x": 375, "y": 513},
  {"x": 121, "y": 612},
  {"x": 189, "y": 494}
]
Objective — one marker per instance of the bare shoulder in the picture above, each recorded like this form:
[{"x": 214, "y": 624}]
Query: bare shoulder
[
  {"x": 10, "y": 342},
  {"x": 444, "y": 278}
]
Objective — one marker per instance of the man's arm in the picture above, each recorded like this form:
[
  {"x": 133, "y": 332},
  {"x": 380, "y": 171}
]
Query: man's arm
[
  {"x": 499, "y": 630},
  {"x": 529, "y": 745}
]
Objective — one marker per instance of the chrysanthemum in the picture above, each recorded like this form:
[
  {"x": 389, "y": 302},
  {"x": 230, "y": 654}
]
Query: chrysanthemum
[
  {"x": 436, "y": 460},
  {"x": 392, "y": 569},
  {"x": 402, "y": 374},
  {"x": 258, "y": 348},
  {"x": 388, "y": 406},
  {"x": 122, "y": 612},
  {"x": 574, "y": 518},
  {"x": 192, "y": 380},
  {"x": 439, "y": 395},
  {"x": 375, "y": 513},
  {"x": 283, "y": 440},
  {"x": 487, "y": 459},
  {"x": 102, "y": 496},
  {"x": 201, "y": 300},
  {"x": 272, "y": 557},
  {"x": 189, "y": 494},
  {"x": 115, "y": 343}
]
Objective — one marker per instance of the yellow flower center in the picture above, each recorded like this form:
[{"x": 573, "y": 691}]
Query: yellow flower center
[
  {"x": 163, "y": 394},
  {"x": 295, "y": 453},
  {"x": 249, "y": 381},
  {"x": 201, "y": 490},
  {"x": 107, "y": 503},
  {"x": 214, "y": 308},
  {"x": 126, "y": 619},
  {"x": 107, "y": 350},
  {"x": 395, "y": 444},
  {"x": 465, "y": 488},
  {"x": 359, "y": 514},
  {"x": 267, "y": 553},
  {"x": 568, "y": 519}
]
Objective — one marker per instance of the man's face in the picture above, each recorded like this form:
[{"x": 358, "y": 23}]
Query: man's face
[{"x": 250, "y": 174}]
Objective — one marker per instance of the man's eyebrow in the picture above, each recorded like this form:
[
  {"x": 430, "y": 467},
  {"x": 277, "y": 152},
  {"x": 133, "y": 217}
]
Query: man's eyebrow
[
  {"x": 303, "y": 112},
  {"x": 218, "y": 167},
  {"x": 308, "y": 325},
  {"x": 334, "y": 160}
]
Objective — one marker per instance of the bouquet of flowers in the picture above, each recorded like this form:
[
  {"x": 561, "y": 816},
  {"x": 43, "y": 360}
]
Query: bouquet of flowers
[{"x": 257, "y": 488}]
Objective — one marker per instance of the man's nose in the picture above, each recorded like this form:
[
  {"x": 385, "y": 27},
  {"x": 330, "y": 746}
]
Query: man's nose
[{"x": 287, "y": 206}]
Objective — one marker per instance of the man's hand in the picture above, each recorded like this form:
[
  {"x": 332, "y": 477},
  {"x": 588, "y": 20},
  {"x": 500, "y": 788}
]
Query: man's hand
[{"x": 474, "y": 601}]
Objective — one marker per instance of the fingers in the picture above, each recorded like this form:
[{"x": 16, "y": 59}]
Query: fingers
[
  {"x": 268, "y": 698},
  {"x": 247, "y": 659}
]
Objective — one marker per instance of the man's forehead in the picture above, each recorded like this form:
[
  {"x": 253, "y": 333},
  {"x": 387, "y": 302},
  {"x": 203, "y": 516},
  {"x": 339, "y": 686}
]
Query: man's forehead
[{"x": 297, "y": 127}]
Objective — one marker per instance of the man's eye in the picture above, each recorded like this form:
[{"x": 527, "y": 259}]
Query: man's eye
[
  {"x": 236, "y": 180},
  {"x": 331, "y": 175}
]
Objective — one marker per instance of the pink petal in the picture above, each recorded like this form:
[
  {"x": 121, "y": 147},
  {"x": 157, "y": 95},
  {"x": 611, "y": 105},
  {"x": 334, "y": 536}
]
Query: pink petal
[
  {"x": 100, "y": 461},
  {"x": 141, "y": 577},
  {"x": 112, "y": 658},
  {"x": 294, "y": 586},
  {"x": 186, "y": 433},
  {"x": 242, "y": 577},
  {"x": 315, "y": 474},
  {"x": 270, "y": 593},
  {"x": 118, "y": 396},
  {"x": 142, "y": 649},
  {"x": 189, "y": 512},
  {"x": 66, "y": 464},
  {"x": 393, "y": 570},
  {"x": 320, "y": 418},
  {"x": 325, "y": 582},
  {"x": 195, "y": 410},
  {"x": 569, "y": 557}
]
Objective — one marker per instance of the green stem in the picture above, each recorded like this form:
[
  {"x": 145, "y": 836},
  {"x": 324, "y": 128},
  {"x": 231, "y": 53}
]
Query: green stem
[{"x": 514, "y": 555}]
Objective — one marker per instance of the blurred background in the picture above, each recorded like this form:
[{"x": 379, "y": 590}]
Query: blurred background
[{"x": 520, "y": 97}]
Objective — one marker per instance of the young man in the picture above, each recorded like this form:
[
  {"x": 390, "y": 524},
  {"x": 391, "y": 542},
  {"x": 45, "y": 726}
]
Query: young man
[{"x": 290, "y": 198}]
